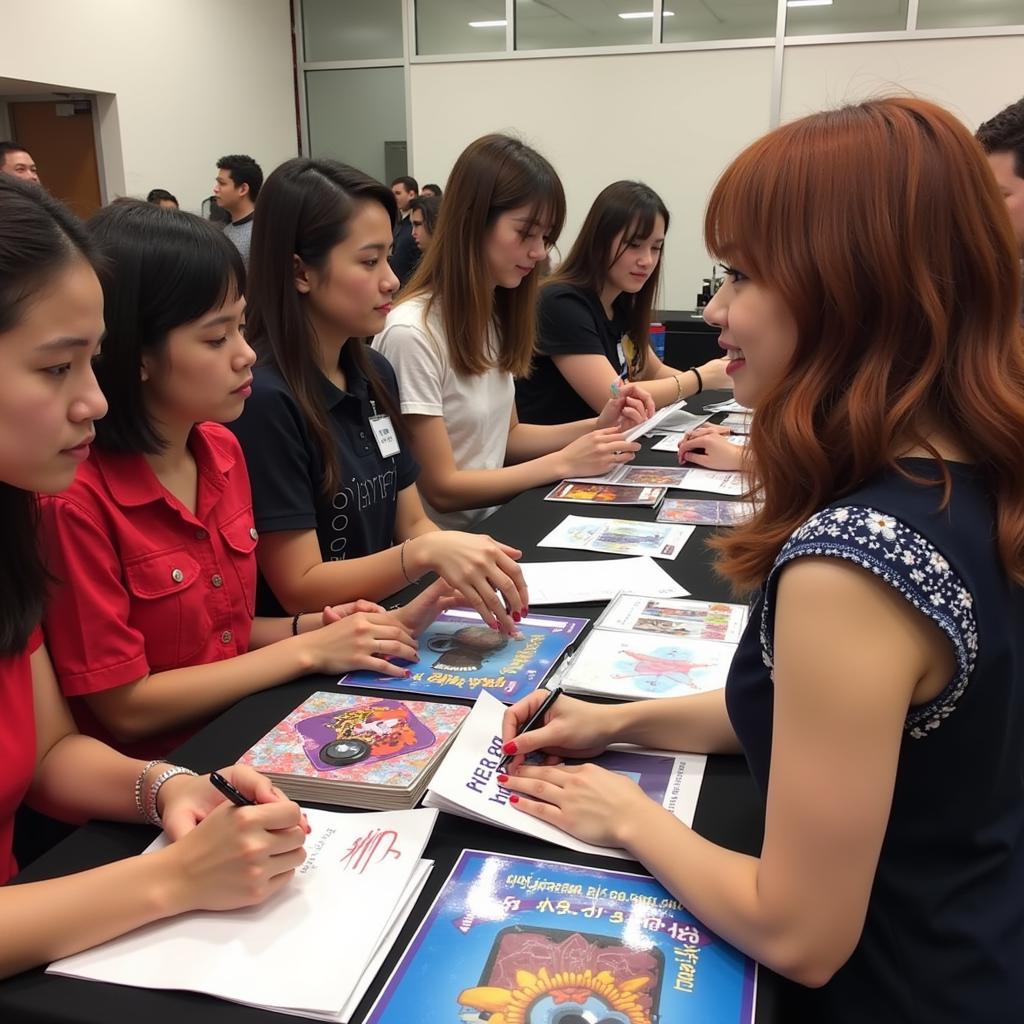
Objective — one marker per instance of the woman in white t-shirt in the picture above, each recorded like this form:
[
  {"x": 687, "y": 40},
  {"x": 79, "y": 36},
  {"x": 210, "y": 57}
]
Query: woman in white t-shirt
[{"x": 465, "y": 327}]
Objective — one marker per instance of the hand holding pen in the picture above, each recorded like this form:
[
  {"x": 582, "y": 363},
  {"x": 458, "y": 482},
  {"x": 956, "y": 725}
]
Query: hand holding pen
[{"x": 560, "y": 726}]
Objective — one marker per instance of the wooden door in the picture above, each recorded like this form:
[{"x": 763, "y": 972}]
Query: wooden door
[{"x": 64, "y": 149}]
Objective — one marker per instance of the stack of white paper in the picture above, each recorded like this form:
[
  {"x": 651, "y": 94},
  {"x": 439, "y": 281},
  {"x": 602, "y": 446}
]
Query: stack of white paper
[
  {"x": 728, "y": 406},
  {"x": 572, "y": 582},
  {"x": 466, "y": 784},
  {"x": 649, "y": 425},
  {"x": 679, "y": 421},
  {"x": 310, "y": 950}
]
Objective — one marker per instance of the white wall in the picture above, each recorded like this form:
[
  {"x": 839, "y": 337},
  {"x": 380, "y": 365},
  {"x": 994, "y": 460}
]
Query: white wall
[
  {"x": 975, "y": 77},
  {"x": 673, "y": 120},
  {"x": 180, "y": 83}
]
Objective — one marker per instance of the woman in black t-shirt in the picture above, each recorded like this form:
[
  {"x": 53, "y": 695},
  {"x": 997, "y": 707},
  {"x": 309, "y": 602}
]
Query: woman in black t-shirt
[{"x": 594, "y": 315}]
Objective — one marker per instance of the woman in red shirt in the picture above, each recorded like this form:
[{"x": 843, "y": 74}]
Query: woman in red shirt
[
  {"x": 156, "y": 533},
  {"x": 51, "y": 321}
]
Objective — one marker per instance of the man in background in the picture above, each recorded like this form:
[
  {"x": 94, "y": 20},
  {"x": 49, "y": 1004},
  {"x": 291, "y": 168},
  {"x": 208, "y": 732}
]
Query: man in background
[
  {"x": 404, "y": 252},
  {"x": 431, "y": 190},
  {"x": 1002, "y": 138},
  {"x": 16, "y": 161},
  {"x": 236, "y": 189}
]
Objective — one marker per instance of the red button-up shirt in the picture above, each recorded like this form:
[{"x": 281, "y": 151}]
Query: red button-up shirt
[
  {"x": 143, "y": 585},
  {"x": 17, "y": 743}
]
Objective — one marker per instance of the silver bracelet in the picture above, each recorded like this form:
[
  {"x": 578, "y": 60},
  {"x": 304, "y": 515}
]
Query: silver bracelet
[
  {"x": 151, "y": 812},
  {"x": 138, "y": 785}
]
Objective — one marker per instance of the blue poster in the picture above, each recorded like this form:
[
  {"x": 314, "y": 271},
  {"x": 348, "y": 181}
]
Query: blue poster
[
  {"x": 510, "y": 940},
  {"x": 459, "y": 656}
]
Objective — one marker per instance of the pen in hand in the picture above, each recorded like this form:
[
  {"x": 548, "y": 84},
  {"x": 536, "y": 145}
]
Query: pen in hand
[
  {"x": 535, "y": 721},
  {"x": 223, "y": 786}
]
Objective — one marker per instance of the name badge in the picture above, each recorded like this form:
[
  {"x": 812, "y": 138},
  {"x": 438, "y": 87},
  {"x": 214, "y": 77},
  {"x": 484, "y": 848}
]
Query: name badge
[{"x": 385, "y": 436}]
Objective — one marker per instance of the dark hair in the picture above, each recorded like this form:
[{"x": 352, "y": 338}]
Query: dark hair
[
  {"x": 632, "y": 209},
  {"x": 158, "y": 195},
  {"x": 492, "y": 175},
  {"x": 38, "y": 238},
  {"x": 161, "y": 269},
  {"x": 305, "y": 211},
  {"x": 409, "y": 184},
  {"x": 10, "y": 146},
  {"x": 429, "y": 206},
  {"x": 244, "y": 171},
  {"x": 1004, "y": 133},
  {"x": 436, "y": 189},
  {"x": 882, "y": 231}
]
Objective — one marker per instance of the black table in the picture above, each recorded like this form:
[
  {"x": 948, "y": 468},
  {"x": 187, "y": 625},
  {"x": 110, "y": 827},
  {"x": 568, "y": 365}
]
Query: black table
[{"x": 729, "y": 810}]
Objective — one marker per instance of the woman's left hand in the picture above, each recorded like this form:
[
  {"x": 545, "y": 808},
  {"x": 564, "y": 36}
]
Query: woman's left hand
[
  {"x": 591, "y": 803},
  {"x": 632, "y": 407},
  {"x": 185, "y": 800}
]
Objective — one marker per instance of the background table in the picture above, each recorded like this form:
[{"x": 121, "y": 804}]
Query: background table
[{"x": 729, "y": 810}]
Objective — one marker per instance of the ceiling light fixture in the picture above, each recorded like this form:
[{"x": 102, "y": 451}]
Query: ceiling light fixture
[
  {"x": 498, "y": 24},
  {"x": 808, "y": 3},
  {"x": 646, "y": 14}
]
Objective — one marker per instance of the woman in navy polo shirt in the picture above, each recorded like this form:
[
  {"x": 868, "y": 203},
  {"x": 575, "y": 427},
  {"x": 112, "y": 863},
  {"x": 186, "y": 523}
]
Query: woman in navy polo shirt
[
  {"x": 156, "y": 534},
  {"x": 594, "y": 314},
  {"x": 51, "y": 322},
  {"x": 334, "y": 483}
]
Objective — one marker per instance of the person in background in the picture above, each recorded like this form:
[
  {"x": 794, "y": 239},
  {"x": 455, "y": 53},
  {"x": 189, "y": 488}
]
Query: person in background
[
  {"x": 16, "y": 161},
  {"x": 432, "y": 190},
  {"x": 423, "y": 212},
  {"x": 156, "y": 533},
  {"x": 333, "y": 477},
  {"x": 220, "y": 856},
  {"x": 236, "y": 190},
  {"x": 465, "y": 326},
  {"x": 405, "y": 255},
  {"x": 1002, "y": 138},
  {"x": 161, "y": 197},
  {"x": 595, "y": 311},
  {"x": 886, "y": 561}
]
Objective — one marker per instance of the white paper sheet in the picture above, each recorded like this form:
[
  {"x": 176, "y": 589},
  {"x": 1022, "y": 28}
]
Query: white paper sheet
[
  {"x": 618, "y": 537},
  {"x": 650, "y": 424},
  {"x": 466, "y": 782},
  {"x": 728, "y": 406},
  {"x": 392, "y": 929},
  {"x": 572, "y": 582},
  {"x": 679, "y": 422},
  {"x": 357, "y": 868}
]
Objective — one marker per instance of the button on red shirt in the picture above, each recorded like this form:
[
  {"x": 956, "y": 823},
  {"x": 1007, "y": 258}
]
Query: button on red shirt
[
  {"x": 143, "y": 584},
  {"x": 17, "y": 743}
]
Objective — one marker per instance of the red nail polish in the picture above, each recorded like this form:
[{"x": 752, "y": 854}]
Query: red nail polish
[
  {"x": 513, "y": 799},
  {"x": 408, "y": 674},
  {"x": 510, "y": 747},
  {"x": 503, "y": 778},
  {"x": 516, "y": 616}
]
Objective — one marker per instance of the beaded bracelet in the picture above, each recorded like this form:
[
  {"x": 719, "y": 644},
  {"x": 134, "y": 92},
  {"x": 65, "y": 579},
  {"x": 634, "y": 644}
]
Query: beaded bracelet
[
  {"x": 152, "y": 816},
  {"x": 138, "y": 786}
]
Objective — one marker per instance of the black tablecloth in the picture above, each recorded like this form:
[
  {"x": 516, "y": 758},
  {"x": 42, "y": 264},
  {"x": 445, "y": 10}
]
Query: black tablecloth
[{"x": 729, "y": 810}]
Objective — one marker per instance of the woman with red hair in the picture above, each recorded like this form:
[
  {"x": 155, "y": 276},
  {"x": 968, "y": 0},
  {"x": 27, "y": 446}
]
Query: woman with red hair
[{"x": 877, "y": 694}]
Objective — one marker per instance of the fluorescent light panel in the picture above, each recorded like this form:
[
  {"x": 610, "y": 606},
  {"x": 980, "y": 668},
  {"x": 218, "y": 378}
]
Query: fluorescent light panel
[
  {"x": 629, "y": 15},
  {"x": 808, "y": 3},
  {"x": 494, "y": 24}
]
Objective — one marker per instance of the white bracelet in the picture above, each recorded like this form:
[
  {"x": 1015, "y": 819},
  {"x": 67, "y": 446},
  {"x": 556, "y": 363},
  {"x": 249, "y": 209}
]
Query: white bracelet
[
  {"x": 138, "y": 786},
  {"x": 151, "y": 812}
]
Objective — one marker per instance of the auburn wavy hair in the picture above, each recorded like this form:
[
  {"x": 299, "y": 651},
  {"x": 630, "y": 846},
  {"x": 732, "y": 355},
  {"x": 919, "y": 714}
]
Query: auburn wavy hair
[{"x": 881, "y": 228}]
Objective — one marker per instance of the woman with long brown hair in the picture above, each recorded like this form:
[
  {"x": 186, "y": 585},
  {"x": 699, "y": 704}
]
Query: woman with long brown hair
[
  {"x": 594, "y": 315},
  {"x": 870, "y": 317},
  {"x": 465, "y": 326}
]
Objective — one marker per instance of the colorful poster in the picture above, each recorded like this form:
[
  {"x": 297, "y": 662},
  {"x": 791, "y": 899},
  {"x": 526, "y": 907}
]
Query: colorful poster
[
  {"x": 701, "y": 512},
  {"x": 460, "y": 656},
  {"x": 618, "y": 536},
  {"x": 704, "y": 620},
  {"x": 635, "y": 666},
  {"x": 605, "y": 494},
  {"x": 511, "y": 940}
]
